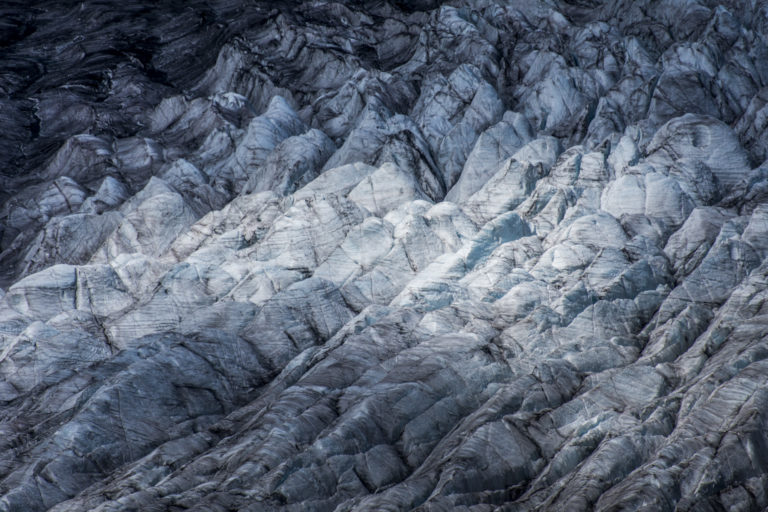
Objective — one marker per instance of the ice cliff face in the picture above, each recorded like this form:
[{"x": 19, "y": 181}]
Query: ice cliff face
[{"x": 482, "y": 255}]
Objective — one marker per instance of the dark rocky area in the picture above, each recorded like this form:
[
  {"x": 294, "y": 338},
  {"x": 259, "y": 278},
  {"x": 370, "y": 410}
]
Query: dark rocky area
[{"x": 478, "y": 255}]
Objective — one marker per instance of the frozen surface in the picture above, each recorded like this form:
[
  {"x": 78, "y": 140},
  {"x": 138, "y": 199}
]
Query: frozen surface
[{"x": 311, "y": 256}]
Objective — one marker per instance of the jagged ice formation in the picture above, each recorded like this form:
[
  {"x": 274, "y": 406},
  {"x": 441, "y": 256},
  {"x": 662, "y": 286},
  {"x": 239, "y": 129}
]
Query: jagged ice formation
[{"x": 478, "y": 255}]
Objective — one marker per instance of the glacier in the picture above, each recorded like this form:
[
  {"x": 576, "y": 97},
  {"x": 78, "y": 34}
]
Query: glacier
[{"x": 475, "y": 255}]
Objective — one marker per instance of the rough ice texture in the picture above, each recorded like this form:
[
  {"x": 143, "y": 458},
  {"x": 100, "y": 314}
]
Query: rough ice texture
[{"x": 481, "y": 255}]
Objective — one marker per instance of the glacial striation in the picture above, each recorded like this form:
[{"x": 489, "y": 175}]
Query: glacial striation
[{"x": 478, "y": 255}]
